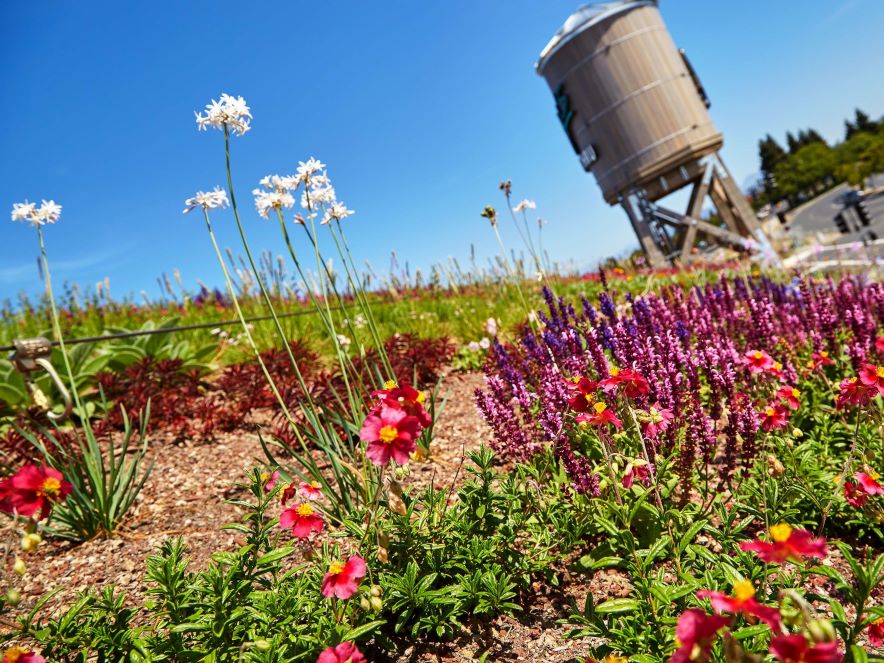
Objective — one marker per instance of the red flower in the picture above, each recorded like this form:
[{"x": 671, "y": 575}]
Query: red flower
[
  {"x": 694, "y": 634},
  {"x": 796, "y": 649},
  {"x": 390, "y": 432},
  {"x": 788, "y": 544},
  {"x": 743, "y": 601},
  {"x": 879, "y": 344},
  {"x": 853, "y": 392},
  {"x": 774, "y": 417},
  {"x": 789, "y": 395},
  {"x": 21, "y": 655},
  {"x": 406, "y": 397},
  {"x": 33, "y": 489},
  {"x": 637, "y": 469},
  {"x": 876, "y": 633},
  {"x": 872, "y": 376},
  {"x": 655, "y": 421},
  {"x": 302, "y": 519},
  {"x": 582, "y": 394},
  {"x": 757, "y": 361},
  {"x": 345, "y": 652},
  {"x": 854, "y": 496},
  {"x": 269, "y": 480},
  {"x": 868, "y": 482},
  {"x": 310, "y": 491},
  {"x": 600, "y": 416},
  {"x": 819, "y": 360},
  {"x": 631, "y": 382},
  {"x": 342, "y": 580}
]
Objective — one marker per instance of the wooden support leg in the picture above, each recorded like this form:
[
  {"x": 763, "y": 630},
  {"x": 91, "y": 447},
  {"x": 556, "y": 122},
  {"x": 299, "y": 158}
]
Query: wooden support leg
[{"x": 643, "y": 232}]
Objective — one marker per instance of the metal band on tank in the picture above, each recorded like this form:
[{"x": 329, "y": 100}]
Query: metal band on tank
[{"x": 652, "y": 146}]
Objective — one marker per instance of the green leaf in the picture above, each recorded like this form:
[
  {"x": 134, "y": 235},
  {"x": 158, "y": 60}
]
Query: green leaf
[
  {"x": 355, "y": 633},
  {"x": 751, "y": 631},
  {"x": 690, "y": 534},
  {"x": 616, "y": 606}
]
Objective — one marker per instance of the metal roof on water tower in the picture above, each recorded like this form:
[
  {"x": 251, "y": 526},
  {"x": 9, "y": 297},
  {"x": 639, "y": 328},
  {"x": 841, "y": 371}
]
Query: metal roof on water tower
[{"x": 636, "y": 115}]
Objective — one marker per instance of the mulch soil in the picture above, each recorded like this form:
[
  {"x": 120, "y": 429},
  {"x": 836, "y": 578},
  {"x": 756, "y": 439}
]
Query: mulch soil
[{"x": 186, "y": 496}]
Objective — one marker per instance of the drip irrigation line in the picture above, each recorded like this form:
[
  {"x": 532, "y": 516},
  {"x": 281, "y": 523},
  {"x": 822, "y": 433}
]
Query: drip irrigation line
[{"x": 183, "y": 328}]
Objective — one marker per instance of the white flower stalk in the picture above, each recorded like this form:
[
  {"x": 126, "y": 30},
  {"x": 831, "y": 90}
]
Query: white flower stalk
[
  {"x": 316, "y": 196},
  {"x": 525, "y": 204},
  {"x": 280, "y": 183},
  {"x": 306, "y": 169},
  {"x": 214, "y": 199},
  {"x": 265, "y": 201},
  {"x": 336, "y": 211},
  {"x": 229, "y": 111},
  {"x": 48, "y": 212}
]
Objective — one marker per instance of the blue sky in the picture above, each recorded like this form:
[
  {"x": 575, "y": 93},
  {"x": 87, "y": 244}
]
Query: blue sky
[{"x": 418, "y": 108}]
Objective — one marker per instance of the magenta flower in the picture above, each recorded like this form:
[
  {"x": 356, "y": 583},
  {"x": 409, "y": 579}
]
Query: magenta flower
[
  {"x": 302, "y": 519},
  {"x": 788, "y": 544},
  {"x": 342, "y": 580},
  {"x": 346, "y": 652},
  {"x": 757, "y": 361},
  {"x": 33, "y": 490},
  {"x": 796, "y": 649},
  {"x": 390, "y": 433},
  {"x": 694, "y": 635}
]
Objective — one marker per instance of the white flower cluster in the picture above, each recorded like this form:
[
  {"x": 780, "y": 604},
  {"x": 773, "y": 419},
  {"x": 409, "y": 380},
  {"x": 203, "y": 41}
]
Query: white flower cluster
[
  {"x": 525, "y": 204},
  {"x": 317, "y": 193},
  {"x": 48, "y": 212},
  {"x": 229, "y": 111},
  {"x": 207, "y": 200},
  {"x": 276, "y": 194}
]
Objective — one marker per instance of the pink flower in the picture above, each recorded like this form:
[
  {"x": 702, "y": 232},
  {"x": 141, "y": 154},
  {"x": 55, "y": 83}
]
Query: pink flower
[
  {"x": 655, "y": 421},
  {"x": 773, "y": 417},
  {"x": 346, "y": 652},
  {"x": 630, "y": 382},
  {"x": 637, "y": 469},
  {"x": 269, "y": 480},
  {"x": 405, "y": 397},
  {"x": 868, "y": 483},
  {"x": 21, "y": 655},
  {"x": 819, "y": 359},
  {"x": 854, "y": 496},
  {"x": 757, "y": 361},
  {"x": 389, "y": 432},
  {"x": 600, "y": 416},
  {"x": 302, "y": 519},
  {"x": 879, "y": 344},
  {"x": 310, "y": 491},
  {"x": 33, "y": 490},
  {"x": 853, "y": 392},
  {"x": 789, "y": 395},
  {"x": 743, "y": 601},
  {"x": 872, "y": 376},
  {"x": 876, "y": 633},
  {"x": 694, "y": 634},
  {"x": 796, "y": 649},
  {"x": 788, "y": 544},
  {"x": 342, "y": 580}
]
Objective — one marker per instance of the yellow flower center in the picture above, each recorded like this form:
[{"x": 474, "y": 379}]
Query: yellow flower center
[
  {"x": 758, "y": 354},
  {"x": 51, "y": 487},
  {"x": 743, "y": 590},
  {"x": 315, "y": 484},
  {"x": 770, "y": 412},
  {"x": 780, "y": 532},
  {"x": 810, "y": 364},
  {"x": 264, "y": 476},
  {"x": 388, "y": 434},
  {"x": 880, "y": 371},
  {"x": 13, "y": 654},
  {"x": 305, "y": 510},
  {"x": 874, "y": 476},
  {"x": 390, "y": 384},
  {"x": 795, "y": 393},
  {"x": 590, "y": 398},
  {"x": 335, "y": 568},
  {"x": 614, "y": 658},
  {"x": 778, "y": 365},
  {"x": 421, "y": 397},
  {"x": 600, "y": 407},
  {"x": 614, "y": 371},
  {"x": 824, "y": 354}
]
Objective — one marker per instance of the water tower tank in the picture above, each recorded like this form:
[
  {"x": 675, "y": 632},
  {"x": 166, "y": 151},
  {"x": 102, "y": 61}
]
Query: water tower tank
[{"x": 628, "y": 99}]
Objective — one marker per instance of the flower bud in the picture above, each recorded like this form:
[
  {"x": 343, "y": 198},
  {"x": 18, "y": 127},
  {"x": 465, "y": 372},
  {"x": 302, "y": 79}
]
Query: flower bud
[
  {"x": 262, "y": 645},
  {"x": 364, "y": 604},
  {"x": 383, "y": 557},
  {"x": 797, "y": 432},
  {"x": 376, "y": 590},
  {"x": 376, "y": 604},
  {"x": 821, "y": 630},
  {"x": 20, "y": 567},
  {"x": 29, "y": 542},
  {"x": 13, "y": 597},
  {"x": 774, "y": 466}
]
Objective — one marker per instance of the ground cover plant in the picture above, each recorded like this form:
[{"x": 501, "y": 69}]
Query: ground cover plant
[{"x": 711, "y": 439}]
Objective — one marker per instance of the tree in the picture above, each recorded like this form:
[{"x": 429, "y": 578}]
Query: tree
[
  {"x": 806, "y": 169},
  {"x": 792, "y": 142},
  {"x": 862, "y": 122}
]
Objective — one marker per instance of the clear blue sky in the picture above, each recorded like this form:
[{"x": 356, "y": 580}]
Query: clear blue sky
[{"x": 419, "y": 108}]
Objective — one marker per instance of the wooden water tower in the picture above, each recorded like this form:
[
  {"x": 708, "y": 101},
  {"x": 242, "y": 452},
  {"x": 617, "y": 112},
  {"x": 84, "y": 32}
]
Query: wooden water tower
[{"x": 637, "y": 117}]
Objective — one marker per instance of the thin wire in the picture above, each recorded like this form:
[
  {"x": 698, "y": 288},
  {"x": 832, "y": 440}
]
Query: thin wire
[{"x": 169, "y": 330}]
